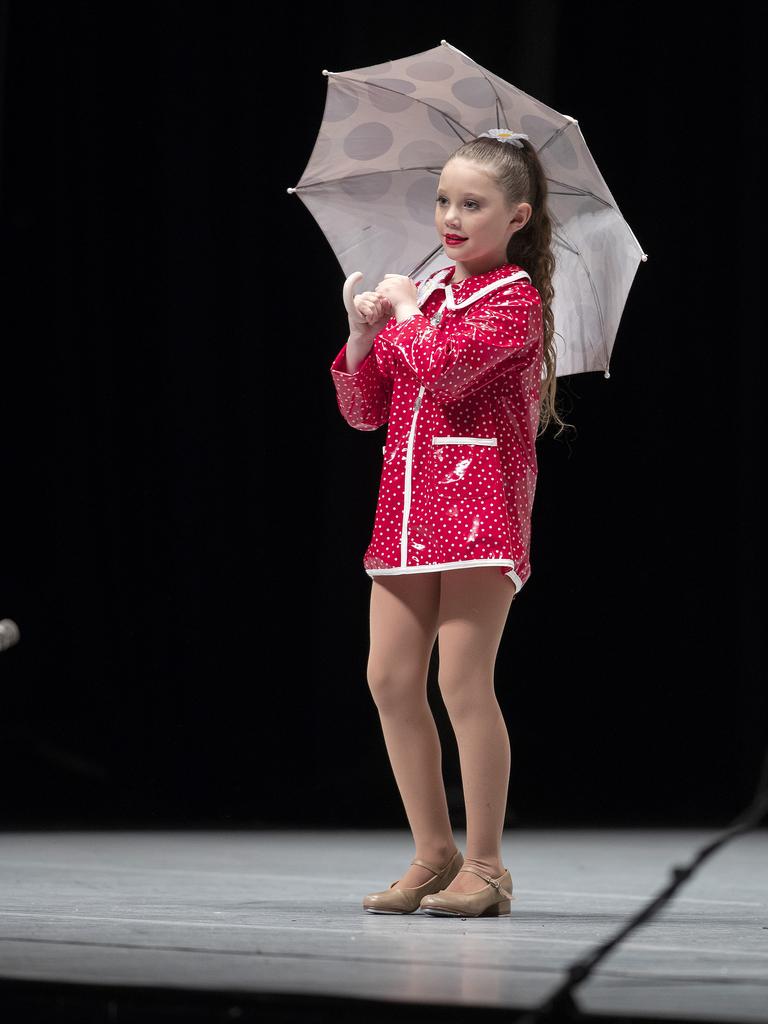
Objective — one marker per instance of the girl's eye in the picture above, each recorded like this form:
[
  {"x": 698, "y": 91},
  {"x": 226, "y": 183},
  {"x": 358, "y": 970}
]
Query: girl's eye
[{"x": 472, "y": 201}]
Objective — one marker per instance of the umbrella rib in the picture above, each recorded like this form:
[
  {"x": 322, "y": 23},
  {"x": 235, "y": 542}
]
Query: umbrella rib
[
  {"x": 364, "y": 174},
  {"x": 556, "y": 134},
  {"x": 570, "y": 190},
  {"x": 414, "y": 270},
  {"x": 566, "y": 244}
]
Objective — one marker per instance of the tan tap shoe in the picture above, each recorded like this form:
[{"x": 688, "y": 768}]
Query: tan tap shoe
[
  {"x": 403, "y": 900},
  {"x": 491, "y": 901}
]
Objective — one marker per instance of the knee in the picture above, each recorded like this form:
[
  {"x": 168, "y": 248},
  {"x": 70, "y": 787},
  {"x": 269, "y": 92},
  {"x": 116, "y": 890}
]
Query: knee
[
  {"x": 455, "y": 698},
  {"x": 466, "y": 695},
  {"x": 395, "y": 688}
]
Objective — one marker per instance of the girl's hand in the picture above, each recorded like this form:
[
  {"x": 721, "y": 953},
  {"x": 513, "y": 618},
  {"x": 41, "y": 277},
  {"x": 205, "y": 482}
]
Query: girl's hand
[
  {"x": 373, "y": 308},
  {"x": 366, "y": 309},
  {"x": 399, "y": 289}
]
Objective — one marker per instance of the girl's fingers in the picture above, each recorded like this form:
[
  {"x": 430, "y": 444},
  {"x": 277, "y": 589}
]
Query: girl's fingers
[
  {"x": 372, "y": 305},
  {"x": 368, "y": 310}
]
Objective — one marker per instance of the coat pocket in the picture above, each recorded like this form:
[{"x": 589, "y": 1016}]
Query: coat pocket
[
  {"x": 468, "y": 502},
  {"x": 464, "y": 464}
]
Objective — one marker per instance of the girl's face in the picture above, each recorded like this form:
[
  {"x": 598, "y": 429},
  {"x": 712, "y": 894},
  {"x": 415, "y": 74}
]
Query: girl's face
[{"x": 470, "y": 204}]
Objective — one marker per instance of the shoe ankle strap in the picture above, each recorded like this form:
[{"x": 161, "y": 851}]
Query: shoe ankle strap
[
  {"x": 434, "y": 870},
  {"x": 486, "y": 878}
]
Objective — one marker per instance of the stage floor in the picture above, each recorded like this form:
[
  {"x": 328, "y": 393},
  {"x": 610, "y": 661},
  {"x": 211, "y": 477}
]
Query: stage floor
[{"x": 281, "y": 912}]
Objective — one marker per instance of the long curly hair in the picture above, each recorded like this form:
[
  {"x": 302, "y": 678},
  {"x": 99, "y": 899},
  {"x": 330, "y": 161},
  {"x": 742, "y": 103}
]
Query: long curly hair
[{"x": 518, "y": 173}]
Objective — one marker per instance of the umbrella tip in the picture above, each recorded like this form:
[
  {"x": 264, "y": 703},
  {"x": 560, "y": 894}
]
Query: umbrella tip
[
  {"x": 325, "y": 72},
  {"x": 290, "y": 190},
  {"x": 644, "y": 257}
]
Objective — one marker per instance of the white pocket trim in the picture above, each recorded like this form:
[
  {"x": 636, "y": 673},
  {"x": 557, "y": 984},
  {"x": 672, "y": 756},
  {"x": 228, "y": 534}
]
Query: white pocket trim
[{"x": 464, "y": 440}]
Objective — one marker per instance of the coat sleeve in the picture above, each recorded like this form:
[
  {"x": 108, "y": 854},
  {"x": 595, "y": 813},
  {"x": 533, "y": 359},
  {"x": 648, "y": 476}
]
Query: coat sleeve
[
  {"x": 504, "y": 325},
  {"x": 364, "y": 396}
]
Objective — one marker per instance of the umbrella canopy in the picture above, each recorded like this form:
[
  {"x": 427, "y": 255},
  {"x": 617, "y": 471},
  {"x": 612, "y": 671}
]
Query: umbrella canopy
[{"x": 370, "y": 183}]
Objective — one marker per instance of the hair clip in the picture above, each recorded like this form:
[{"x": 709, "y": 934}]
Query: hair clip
[{"x": 504, "y": 135}]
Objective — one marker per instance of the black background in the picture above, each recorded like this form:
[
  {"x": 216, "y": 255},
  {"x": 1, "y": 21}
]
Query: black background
[{"x": 184, "y": 511}]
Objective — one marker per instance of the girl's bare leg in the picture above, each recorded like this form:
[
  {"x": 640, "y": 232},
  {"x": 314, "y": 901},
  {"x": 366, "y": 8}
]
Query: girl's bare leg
[
  {"x": 403, "y": 623},
  {"x": 474, "y": 603}
]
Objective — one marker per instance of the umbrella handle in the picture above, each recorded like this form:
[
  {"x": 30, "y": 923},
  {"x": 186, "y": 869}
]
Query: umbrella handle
[{"x": 348, "y": 293}]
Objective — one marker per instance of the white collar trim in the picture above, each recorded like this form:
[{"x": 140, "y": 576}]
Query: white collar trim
[{"x": 426, "y": 289}]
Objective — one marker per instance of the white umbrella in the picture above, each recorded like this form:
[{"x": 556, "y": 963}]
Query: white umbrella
[{"x": 370, "y": 184}]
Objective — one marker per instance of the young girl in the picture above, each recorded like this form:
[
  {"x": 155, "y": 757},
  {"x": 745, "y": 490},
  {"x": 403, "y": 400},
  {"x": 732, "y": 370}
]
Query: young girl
[{"x": 456, "y": 373}]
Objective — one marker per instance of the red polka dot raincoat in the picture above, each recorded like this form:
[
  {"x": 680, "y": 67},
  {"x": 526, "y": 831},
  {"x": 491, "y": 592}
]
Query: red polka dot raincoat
[{"x": 458, "y": 386}]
